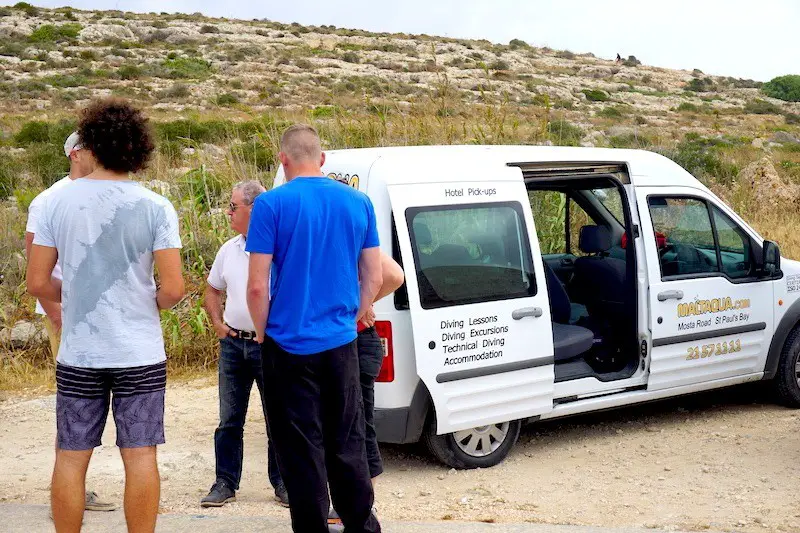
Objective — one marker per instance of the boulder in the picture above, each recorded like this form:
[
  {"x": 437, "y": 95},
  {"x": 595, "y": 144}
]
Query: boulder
[
  {"x": 769, "y": 190},
  {"x": 22, "y": 334},
  {"x": 783, "y": 137},
  {"x": 98, "y": 32}
]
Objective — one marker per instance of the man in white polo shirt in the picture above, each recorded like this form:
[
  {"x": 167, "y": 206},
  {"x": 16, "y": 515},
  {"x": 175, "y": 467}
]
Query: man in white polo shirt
[
  {"x": 240, "y": 354},
  {"x": 79, "y": 167}
]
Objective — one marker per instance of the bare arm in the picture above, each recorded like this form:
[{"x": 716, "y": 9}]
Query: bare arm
[
  {"x": 258, "y": 291},
  {"x": 172, "y": 290},
  {"x": 51, "y": 309},
  {"x": 369, "y": 272},
  {"x": 28, "y": 243},
  {"x": 213, "y": 304},
  {"x": 393, "y": 276},
  {"x": 39, "y": 279}
]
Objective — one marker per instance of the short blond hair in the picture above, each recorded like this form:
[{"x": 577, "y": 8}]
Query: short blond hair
[{"x": 301, "y": 143}]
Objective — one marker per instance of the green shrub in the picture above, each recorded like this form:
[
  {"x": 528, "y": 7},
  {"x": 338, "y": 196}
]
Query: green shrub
[
  {"x": 208, "y": 28},
  {"x": 31, "y": 88},
  {"x": 595, "y": 95},
  {"x": 12, "y": 48},
  {"x": 227, "y": 99},
  {"x": 350, "y": 57},
  {"x": 88, "y": 55},
  {"x": 631, "y": 62},
  {"x": 255, "y": 153},
  {"x": 129, "y": 72},
  {"x": 37, "y": 131},
  {"x": 5, "y": 12},
  {"x": 48, "y": 33},
  {"x": 785, "y": 88},
  {"x": 630, "y": 140},
  {"x": 792, "y": 118},
  {"x": 565, "y": 54},
  {"x": 46, "y": 162},
  {"x": 66, "y": 80},
  {"x": 699, "y": 85},
  {"x": 323, "y": 111},
  {"x": 186, "y": 68},
  {"x": 204, "y": 187},
  {"x": 31, "y": 11},
  {"x": 688, "y": 107},
  {"x": 499, "y": 65},
  {"x": 9, "y": 175},
  {"x": 563, "y": 133},
  {"x": 612, "y": 112},
  {"x": 762, "y": 107},
  {"x": 177, "y": 90},
  {"x": 702, "y": 157},
  {"x": 518, "y": 43}
]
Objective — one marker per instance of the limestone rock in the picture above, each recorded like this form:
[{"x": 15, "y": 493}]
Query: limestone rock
[
  {"x": 98, "y": 32},
  {"x": 783, "y": 137},
  {"x": 769, "y": 190}
]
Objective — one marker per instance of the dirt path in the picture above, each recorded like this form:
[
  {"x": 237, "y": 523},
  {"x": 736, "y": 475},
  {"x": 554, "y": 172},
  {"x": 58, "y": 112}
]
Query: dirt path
[{"x": 726, "y": 460}]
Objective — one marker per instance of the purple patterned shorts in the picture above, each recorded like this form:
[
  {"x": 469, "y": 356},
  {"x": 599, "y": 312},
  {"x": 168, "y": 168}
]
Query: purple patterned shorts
[{"x": 85, "y": 395}]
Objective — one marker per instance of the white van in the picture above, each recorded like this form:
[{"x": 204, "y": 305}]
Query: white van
[{"x": 543, "y": 282}]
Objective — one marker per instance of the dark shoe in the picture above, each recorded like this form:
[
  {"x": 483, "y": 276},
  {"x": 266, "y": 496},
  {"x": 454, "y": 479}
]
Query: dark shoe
[
  {"x": 282, "y": 495},
  {"x": 219, "y": 495},
  {"x": 94, "y": 503}
]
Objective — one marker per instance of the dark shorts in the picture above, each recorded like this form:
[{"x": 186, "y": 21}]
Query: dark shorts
[{"x": 85, "y": 395}]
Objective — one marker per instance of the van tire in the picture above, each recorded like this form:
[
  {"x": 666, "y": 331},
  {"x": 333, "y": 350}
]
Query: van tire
[
  {"x": 786, "y": 380},
  {"x": 446, "y": 449}
]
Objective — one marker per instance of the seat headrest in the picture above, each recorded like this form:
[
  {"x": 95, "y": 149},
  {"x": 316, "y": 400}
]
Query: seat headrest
[
  {"x": 594, "y": 239},
  {"x": 422, "y": 234}
]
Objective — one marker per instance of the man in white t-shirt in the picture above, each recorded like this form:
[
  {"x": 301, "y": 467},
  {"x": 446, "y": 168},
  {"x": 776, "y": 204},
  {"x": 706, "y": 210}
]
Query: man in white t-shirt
[
  {"x": 51, "y": 311},
  {"x": 240, "y": 354}
]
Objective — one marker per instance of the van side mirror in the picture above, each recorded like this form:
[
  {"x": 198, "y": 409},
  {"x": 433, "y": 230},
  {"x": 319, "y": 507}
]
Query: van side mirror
[{"x": 770, "y": 259}]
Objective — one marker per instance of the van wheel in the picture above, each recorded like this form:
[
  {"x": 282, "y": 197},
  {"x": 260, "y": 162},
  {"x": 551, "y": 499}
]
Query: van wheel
[
  {"x": 787, "y": 381},
  {"x": 479, "y": 447}
]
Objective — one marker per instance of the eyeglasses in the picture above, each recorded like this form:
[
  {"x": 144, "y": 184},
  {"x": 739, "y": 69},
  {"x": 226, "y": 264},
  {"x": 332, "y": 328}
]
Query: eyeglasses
[{"x": 233, "y": 207}]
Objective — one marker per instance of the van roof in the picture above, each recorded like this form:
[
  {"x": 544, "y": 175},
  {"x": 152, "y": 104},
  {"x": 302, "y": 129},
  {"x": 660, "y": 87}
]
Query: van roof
[{"x": 645, "y": 168}]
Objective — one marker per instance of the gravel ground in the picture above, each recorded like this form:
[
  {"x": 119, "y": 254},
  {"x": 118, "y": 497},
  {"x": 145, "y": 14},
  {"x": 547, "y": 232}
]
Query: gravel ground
[{"x": 728, "y": 460}]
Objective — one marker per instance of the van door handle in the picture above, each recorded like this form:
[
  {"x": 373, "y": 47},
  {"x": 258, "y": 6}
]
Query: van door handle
[
  {"x": 670, "y": 295},
  {"x": 519, "y": 314}
]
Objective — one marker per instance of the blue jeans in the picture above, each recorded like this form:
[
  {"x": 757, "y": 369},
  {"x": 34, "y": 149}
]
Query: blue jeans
[{"x": 239, "y": 367}]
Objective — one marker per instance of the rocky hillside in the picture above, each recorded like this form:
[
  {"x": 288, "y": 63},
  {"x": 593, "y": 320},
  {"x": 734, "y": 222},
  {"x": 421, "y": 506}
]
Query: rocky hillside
[{"x": 220, "y": 91}]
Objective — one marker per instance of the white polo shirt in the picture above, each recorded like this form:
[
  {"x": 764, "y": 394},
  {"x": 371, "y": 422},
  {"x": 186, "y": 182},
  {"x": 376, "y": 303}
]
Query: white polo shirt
[
  {"x": 34, "y": 212},
  {"x": 229, "y": 274}
]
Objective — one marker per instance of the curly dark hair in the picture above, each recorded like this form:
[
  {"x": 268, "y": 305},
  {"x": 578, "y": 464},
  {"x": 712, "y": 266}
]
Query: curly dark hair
[{"x": 118, "y": 135}]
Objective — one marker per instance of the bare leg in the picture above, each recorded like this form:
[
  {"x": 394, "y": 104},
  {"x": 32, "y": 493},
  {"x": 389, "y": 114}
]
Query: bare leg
[
  {"x": 142, "y": 488},
  {"x": 68, "y": 491}
]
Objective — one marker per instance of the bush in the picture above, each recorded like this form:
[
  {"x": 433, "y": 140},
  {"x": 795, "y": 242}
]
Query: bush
[
  {"x": 203, "y": 187},
  {"x": 499, "y": 65},
  {"x": 630, "y": 140},
  {"x": 595, "y": 95},
  {"x": 31, "y": 11},
  {"x": 46, "y": 162},
  {"x": 88, "y": 55},
  {"x": 762, "y": 107},
  {"x": 699, "y": 85},
  {"x": 48, "y": 33},
  {"x": 701, "y": 157},
  {"x": 67, "y": 80},
  {"x": 518, "y": 43},
  {"x": 178, "y": 90},
  {"x": 256, "y": 153},
  {"x": 565, "y": 54},
  {"x": 563, "y": 133},
  {"x": 9, "y": 175},
  {"x": 129, "y": 72},
  {"x": 688, "y": 107},
  {"x": 792, "y": 118},
  {"x": 612, "y": 112},
  {"x": 5, "y": 12},
  {"x": 227, "y": 99},
  {"x": 323, "y": 111},
  {"x": 631, "y": 62},
  {"x": 350, "y": 57},
  {"x": 785, "y": 88},
  {"x": 37, "y": 131},
  {"x": 207, "y": 28},
  {"x": 186, "y": 68}
]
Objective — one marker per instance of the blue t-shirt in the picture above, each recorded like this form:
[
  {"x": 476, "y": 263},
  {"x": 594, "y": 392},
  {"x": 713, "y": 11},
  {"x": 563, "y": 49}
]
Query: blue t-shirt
[{"x": 315, "y": 229}]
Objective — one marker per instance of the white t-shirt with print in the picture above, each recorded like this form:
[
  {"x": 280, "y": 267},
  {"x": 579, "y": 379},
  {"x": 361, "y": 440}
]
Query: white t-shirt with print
[
  {"x": 105, "y": 233},
  {"x": 229, "y": 273},
  {"x": 34, "y": 212}
]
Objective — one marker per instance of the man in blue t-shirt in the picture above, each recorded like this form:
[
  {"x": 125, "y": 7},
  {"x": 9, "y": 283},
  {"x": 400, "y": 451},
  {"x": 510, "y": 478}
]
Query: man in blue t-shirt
[{"x": 310, "y": 242}]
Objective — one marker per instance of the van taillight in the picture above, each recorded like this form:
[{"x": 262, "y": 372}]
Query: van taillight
[{"x": 384, "y": 329}]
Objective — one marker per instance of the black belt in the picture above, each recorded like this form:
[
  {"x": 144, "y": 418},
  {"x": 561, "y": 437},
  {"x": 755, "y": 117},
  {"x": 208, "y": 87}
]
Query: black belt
[{"x": 244, "y": 335}]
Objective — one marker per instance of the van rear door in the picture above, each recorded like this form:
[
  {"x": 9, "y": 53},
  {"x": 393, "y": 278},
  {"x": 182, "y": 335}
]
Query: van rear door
[{"x": 477, "y": 294}]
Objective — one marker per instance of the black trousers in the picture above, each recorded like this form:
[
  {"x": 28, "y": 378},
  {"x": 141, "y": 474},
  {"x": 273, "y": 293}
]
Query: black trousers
[{"x": 316, "y": 416}]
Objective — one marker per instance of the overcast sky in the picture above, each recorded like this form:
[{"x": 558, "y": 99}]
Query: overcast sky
[{"x": 741, "y": 38}]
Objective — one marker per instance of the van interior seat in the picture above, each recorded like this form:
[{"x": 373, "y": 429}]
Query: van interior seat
[
  {"x": 600, "y": 280},
  {"x": 568, "y": 341}
]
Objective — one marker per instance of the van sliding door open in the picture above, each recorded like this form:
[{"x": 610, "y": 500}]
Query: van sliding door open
[{"x": 477, "y": 295}]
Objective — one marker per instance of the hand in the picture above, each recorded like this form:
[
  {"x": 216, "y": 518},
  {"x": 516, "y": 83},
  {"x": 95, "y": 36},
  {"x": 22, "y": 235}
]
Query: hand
[
  {"x": 222, "y": 331},
  {"x": 259, "y": 337},
  {"x": 369, "y": 317},
  {"x": 55, "y": 321}
]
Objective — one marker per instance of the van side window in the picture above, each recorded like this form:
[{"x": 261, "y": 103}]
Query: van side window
[
  {"x": 470, "y": 253},
  {"x": 684, "y": 236},
  {"x": 734, "y": 246}
]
